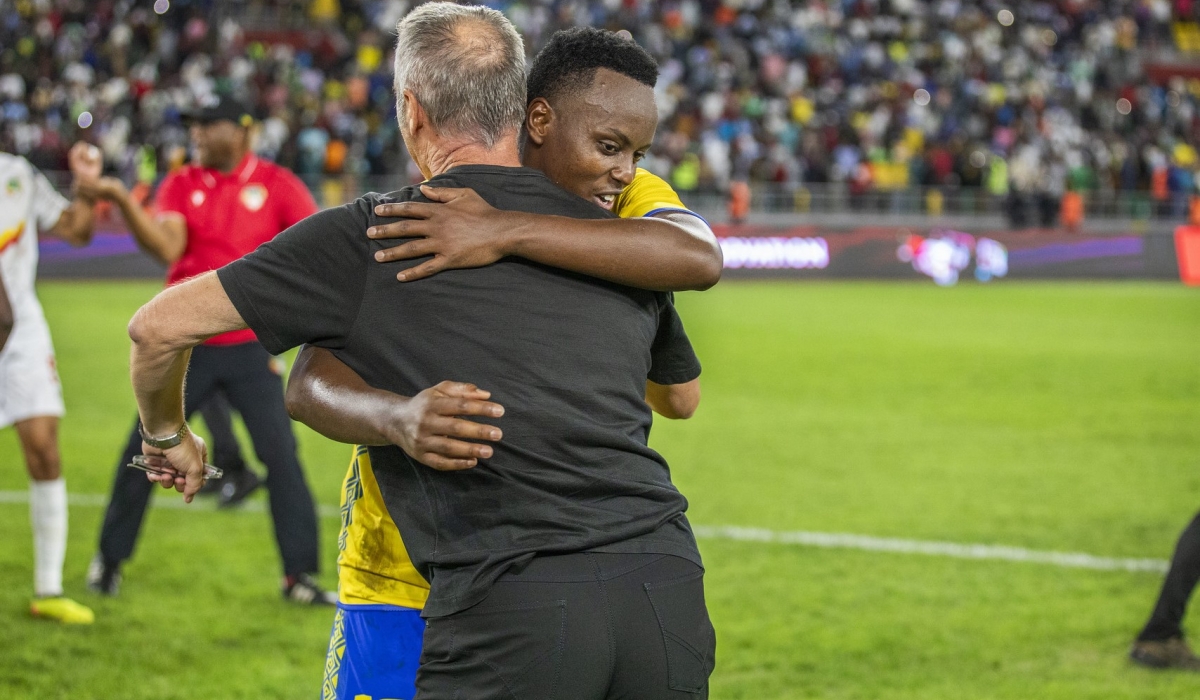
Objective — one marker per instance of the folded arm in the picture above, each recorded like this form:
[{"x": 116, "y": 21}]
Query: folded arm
[
  {"x": 673, "y": 251},
  {"x": 163, "y": 332}
]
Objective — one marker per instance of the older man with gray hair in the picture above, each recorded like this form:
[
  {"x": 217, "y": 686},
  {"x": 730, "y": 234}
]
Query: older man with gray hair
[{"x": 563, "y": 564}]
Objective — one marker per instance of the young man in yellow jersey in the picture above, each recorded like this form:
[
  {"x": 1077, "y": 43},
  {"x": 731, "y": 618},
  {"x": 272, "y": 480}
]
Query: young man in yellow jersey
[{"x": 578, "y": 134}]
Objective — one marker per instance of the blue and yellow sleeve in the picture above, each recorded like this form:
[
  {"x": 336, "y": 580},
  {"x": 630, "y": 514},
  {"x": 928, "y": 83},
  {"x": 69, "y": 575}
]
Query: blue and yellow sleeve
[{"x": 648, "y": 195}]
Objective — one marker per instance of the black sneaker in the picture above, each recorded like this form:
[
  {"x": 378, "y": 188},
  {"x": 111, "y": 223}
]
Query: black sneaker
[
  {"x": 304, "y": 590},
  {"x": 236, "y": 486},
  {"x": 1171, "y": 653},
  {"x": 103, "y": 578}
]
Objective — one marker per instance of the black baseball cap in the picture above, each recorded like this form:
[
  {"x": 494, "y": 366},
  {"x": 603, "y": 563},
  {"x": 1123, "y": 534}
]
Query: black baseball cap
[{"x": 218, "y": 108}]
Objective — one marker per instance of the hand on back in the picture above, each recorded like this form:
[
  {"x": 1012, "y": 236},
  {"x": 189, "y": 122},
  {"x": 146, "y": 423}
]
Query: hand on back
[
  {"x": 459, "y": 229},
  {"x": 431, "y": 429}
]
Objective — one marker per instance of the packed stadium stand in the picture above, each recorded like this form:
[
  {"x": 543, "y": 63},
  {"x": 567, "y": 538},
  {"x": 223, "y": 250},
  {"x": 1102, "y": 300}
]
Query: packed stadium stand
[{"x": 1025, "y": 107}]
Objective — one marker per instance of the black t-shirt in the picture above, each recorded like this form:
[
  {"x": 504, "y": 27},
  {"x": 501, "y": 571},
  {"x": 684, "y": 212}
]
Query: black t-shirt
[{"x": 567, "y": 355}]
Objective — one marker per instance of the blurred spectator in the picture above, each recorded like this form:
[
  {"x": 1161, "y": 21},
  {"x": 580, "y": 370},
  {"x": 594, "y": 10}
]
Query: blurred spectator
[
  {"x": 120, "y": 72},
  {"x": 1021, "y": 98}
]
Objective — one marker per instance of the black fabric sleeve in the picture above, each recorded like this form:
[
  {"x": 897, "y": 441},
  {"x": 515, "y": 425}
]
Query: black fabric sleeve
[
  {"x": 306, "y": 285},
  {"x": 672, "y": 359}
]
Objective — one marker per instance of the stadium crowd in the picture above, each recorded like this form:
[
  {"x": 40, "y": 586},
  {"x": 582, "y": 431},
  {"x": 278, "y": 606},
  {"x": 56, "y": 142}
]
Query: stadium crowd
[{"x": 1024, "y": 99}]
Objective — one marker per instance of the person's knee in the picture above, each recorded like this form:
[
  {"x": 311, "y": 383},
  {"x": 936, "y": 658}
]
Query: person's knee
[
  {"x": 44, "y": 462},
  {"x": 39, "y": 441}
]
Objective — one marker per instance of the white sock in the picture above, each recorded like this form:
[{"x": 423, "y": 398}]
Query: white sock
[{"x": 48, "y": 514}]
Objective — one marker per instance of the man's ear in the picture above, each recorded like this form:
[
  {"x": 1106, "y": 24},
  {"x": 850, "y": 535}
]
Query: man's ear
[
  {"x": 414, "y": 114},
  {"x": 539, "y": 120}
]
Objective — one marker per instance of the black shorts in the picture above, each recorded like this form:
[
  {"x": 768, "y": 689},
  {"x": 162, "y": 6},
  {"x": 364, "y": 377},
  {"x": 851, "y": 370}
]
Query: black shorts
[{"x": 583, "y": 626}]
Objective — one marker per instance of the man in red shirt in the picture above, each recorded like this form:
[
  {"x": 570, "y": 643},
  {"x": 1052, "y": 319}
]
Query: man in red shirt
[{"x": 208, "y": 215}]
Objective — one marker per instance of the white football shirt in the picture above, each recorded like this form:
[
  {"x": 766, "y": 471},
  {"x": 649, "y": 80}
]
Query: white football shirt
[{"x": 28, "y": 202}]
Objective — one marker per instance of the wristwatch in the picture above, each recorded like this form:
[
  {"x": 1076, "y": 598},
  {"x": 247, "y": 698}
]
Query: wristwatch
[{"x": 162, "y": 443}]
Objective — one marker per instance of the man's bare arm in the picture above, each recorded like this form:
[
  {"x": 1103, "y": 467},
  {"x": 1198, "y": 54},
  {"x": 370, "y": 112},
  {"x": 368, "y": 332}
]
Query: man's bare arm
[
  {"x": 163, "y": 332},
  {"x": 163, "y": 238},
  {"x": 329, "y": 397},
  {"x": 675, "y": 401},
  {"x": 6, "y": 315},
  {"x": 671, "y": 252}
]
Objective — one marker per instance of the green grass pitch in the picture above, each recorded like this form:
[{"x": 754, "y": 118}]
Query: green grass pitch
[{"x": 1048, "y": 416}]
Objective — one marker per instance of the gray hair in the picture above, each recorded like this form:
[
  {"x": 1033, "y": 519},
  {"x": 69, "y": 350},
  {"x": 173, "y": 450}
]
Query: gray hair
[{"x": 466, "y": 67}]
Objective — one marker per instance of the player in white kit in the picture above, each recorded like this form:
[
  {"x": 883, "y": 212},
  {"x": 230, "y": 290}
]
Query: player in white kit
[{"x": 30, "y": 395}]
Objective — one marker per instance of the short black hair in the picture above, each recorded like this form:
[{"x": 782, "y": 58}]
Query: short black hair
[{"x": 568, "y": 63}]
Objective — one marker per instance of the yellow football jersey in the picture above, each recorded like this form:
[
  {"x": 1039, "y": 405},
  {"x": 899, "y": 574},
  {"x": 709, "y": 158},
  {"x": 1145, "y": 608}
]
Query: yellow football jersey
[
  {"x": 647, "y": 195},
  {"x": 373, "y": 564}
]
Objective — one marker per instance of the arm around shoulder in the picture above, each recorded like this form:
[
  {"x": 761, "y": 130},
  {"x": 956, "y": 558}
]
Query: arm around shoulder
[
  {"x": 708, "y": 259},
  {"x": 670, "y": 251},
  {"x": 673, "y": 251}
]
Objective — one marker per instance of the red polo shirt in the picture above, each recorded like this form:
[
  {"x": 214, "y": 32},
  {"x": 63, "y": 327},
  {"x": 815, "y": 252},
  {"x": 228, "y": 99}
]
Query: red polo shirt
[{"x": 229, "y": 215}]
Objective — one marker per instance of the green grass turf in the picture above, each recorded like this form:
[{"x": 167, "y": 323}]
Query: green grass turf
[{"x": 1048, "y": 416}]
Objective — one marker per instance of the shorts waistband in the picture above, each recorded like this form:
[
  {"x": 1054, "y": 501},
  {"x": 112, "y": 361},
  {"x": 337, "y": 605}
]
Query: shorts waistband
[
  {"x": 374, "y": 607},
  {"x": 580, "y": 567}
]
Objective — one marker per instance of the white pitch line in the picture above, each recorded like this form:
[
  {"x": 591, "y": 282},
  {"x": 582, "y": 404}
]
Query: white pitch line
[
  {"x": 842, "y": 540},
  {"x": 172, "y": 501},
  {"x": 825, "y": 540}
]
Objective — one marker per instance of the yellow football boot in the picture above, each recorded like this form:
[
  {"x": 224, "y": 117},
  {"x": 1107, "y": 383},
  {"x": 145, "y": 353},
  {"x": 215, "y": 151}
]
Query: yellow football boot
[{"x": 60, "y": 609}]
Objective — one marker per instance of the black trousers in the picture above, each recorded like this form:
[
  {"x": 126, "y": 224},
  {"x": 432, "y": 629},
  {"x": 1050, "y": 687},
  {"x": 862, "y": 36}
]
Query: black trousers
[
  {"x": 223, "y": 448},
  {"x": 1166, "y": 620},
  {"x": 243, "y": 374},
  {"x": 577, "y": 627}
]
